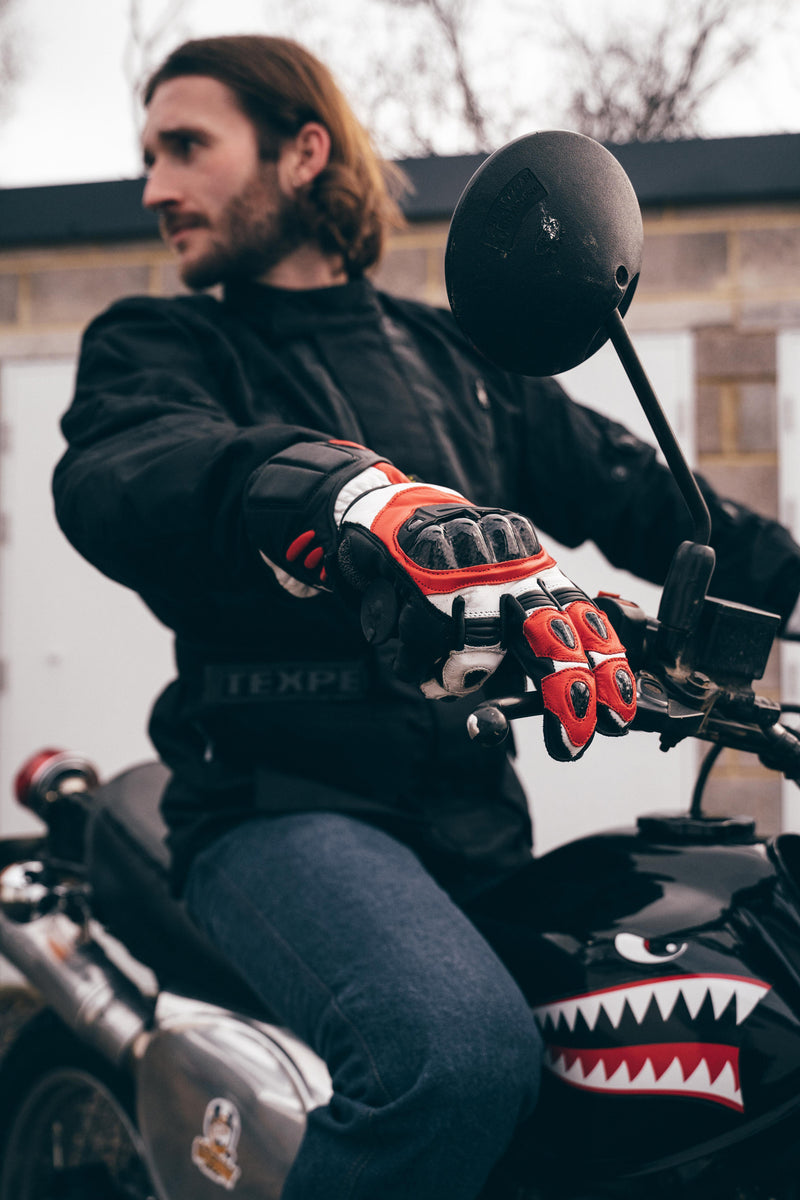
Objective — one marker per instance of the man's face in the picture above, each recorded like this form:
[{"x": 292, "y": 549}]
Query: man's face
[{"x": 221, "y": 209}]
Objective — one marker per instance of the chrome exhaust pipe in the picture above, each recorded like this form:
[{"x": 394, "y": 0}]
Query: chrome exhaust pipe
[{"x": 67, "y": 966}]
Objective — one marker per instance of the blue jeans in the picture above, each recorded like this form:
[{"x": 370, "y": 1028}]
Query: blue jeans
[{"x": 432, "y": 1049}]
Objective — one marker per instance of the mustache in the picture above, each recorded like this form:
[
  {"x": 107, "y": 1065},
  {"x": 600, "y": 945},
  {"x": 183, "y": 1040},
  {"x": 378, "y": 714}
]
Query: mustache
[{"x": 171, "y": 223}]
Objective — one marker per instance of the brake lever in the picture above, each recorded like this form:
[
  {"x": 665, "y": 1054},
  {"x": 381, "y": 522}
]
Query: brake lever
[{"x": 656, "y": 712}]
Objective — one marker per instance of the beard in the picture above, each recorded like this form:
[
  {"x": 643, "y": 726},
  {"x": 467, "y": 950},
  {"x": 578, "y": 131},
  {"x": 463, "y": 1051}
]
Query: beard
[{"x": 255, "y": 231}]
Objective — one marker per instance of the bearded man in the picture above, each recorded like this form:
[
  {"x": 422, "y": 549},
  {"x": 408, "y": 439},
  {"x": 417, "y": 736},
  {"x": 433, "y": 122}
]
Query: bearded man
[{"x": 250, "y": 464}]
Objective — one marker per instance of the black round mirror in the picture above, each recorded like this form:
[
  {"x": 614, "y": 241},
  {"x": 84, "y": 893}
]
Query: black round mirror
[{"x": 545, "y": 243}]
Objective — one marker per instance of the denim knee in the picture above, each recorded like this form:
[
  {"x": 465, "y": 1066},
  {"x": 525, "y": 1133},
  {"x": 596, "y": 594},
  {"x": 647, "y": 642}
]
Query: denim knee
[
  {"x": 489, "y": 1070},
  {"x": 475, "y": 1065}
]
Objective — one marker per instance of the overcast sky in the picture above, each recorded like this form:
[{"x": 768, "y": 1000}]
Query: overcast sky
[{"x": 71, "y": 118}]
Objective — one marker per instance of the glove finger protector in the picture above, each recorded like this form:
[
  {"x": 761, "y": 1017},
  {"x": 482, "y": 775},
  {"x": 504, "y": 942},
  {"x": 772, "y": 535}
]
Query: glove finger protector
[
  {"x": 574, "y": 657},
  {"x": 616, "y": 688}
]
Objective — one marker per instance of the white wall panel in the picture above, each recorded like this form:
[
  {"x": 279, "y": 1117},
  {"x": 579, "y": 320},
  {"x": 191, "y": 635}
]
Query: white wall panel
[
  {"x": 83, "y": 658},
  {"x": 617, "y": 778}
]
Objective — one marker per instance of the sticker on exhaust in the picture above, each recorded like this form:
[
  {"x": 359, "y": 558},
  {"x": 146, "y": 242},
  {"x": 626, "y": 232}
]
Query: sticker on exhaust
[{"x": 215, "y": 1152}]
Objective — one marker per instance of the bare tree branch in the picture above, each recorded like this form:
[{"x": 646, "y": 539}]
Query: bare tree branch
[
  {"x": 446, "y": 76},
  {"x": 641, "y": 84},
  {"x": 451, "y": 22},
  {"x": 10, "y": 54},
  {"x": 144, "y": 44}
]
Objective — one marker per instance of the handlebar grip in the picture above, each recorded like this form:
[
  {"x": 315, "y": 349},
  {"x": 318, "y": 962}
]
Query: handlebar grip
[{"x": 488, "y": 724}]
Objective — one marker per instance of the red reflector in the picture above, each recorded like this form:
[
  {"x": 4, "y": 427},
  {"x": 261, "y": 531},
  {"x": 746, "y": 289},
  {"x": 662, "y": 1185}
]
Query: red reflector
[{"x": 28, "y": 772}]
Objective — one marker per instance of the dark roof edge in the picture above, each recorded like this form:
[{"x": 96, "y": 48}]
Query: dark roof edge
[{"x": 737, "y": 170}]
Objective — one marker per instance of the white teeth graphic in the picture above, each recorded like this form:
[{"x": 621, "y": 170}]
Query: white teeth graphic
[
  {"x": 645, "y": 1081},
  {"x": 591, "y": 1010},
  {"x": 597, "y": 1077},
  {"x": 639, "y": 1000},
  {"x": 569, "y": 1011},
  {"x": 666, "y": 996},
  {"x": 694, "y": 993},
  {"x": 672, "y": 1081},
  {"x": 638, "y": 997},
  {"x": 720, "y": 998},
  {"x": 614, "y": 1005},
  {"x": 747, "y": 997},
  {"x": 621, "y": 1079},
  {"x": 574, "y": 1074}
]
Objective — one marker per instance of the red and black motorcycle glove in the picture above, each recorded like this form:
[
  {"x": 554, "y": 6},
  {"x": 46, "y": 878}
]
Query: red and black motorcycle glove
[
  {"x": 473, "y": 583},
  {"x": 459, "y": 585}
]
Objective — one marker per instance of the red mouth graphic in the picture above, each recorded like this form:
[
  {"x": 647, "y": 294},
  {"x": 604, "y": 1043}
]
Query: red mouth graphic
[
  {"x": 706, "y": 1070},
  {"x": 698, "y": 1069}
]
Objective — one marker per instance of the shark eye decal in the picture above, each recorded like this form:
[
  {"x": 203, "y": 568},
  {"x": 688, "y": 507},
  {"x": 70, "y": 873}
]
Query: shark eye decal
[{"x": 647, "y": 951}]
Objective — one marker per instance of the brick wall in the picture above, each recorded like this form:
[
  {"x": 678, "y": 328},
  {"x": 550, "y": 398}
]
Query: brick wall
[
  {"x": 730, "y": 275},
  {"x": 733, "y": 277}
]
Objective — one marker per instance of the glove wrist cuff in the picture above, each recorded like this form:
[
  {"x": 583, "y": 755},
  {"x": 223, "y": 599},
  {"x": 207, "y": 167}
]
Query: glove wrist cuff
[{"x": 294, "y": 503}]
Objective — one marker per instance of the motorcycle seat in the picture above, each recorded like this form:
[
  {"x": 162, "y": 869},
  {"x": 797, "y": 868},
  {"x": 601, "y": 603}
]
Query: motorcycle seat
[{"x": 128, "y": 869}]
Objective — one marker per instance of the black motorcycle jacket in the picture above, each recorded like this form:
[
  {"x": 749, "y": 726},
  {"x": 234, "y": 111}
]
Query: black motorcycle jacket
[{"x": 279, "y": 704}]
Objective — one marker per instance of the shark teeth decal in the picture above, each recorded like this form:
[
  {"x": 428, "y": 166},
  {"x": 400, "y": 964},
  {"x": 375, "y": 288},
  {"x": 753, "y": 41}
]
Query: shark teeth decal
[
  {"x": 699, "y": 1069},
  {"x": 674, "y": 1069},
  {"x": 638, "y": 997}
]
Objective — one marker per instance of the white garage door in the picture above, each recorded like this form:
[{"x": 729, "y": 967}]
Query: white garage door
[{"x": 82, "y": 657}]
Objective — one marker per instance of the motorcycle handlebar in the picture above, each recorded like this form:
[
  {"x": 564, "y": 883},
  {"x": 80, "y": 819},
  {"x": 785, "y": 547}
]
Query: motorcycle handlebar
[
  {"x": 777, "y": 746},
  {"x": 694, "y": 665}
]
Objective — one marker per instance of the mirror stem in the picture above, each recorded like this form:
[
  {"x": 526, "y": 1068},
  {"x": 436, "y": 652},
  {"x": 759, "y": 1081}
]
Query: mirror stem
[{"x": 661, "y": 427}]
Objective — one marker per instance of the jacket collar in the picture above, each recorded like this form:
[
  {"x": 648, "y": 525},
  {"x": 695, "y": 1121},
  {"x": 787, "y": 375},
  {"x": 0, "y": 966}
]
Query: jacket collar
[{"x": 282, "y": 313}]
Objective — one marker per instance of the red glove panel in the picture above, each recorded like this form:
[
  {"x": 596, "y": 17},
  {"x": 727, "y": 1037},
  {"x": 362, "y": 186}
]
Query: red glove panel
[{"x": 572, "y": 653}]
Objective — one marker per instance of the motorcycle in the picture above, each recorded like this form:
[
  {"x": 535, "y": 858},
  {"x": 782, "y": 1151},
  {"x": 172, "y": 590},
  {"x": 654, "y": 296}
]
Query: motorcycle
[{"x": 662, "y": 962}]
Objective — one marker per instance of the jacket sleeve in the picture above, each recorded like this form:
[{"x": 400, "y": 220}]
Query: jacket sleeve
[
  {"x": 150, "y": 488},
  {"x": 588, "y": 478}
]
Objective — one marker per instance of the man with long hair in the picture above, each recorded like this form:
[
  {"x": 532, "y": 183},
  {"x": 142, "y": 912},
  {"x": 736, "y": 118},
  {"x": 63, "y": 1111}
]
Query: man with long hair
[{"x": 325, "y": 492}]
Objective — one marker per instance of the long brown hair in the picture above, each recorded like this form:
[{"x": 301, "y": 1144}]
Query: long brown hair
[{"x": 280, "y": 86}]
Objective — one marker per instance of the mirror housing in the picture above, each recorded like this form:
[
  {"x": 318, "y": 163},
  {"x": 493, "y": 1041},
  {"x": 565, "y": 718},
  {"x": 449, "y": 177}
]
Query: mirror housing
[{"x": 545, "y": 243}]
